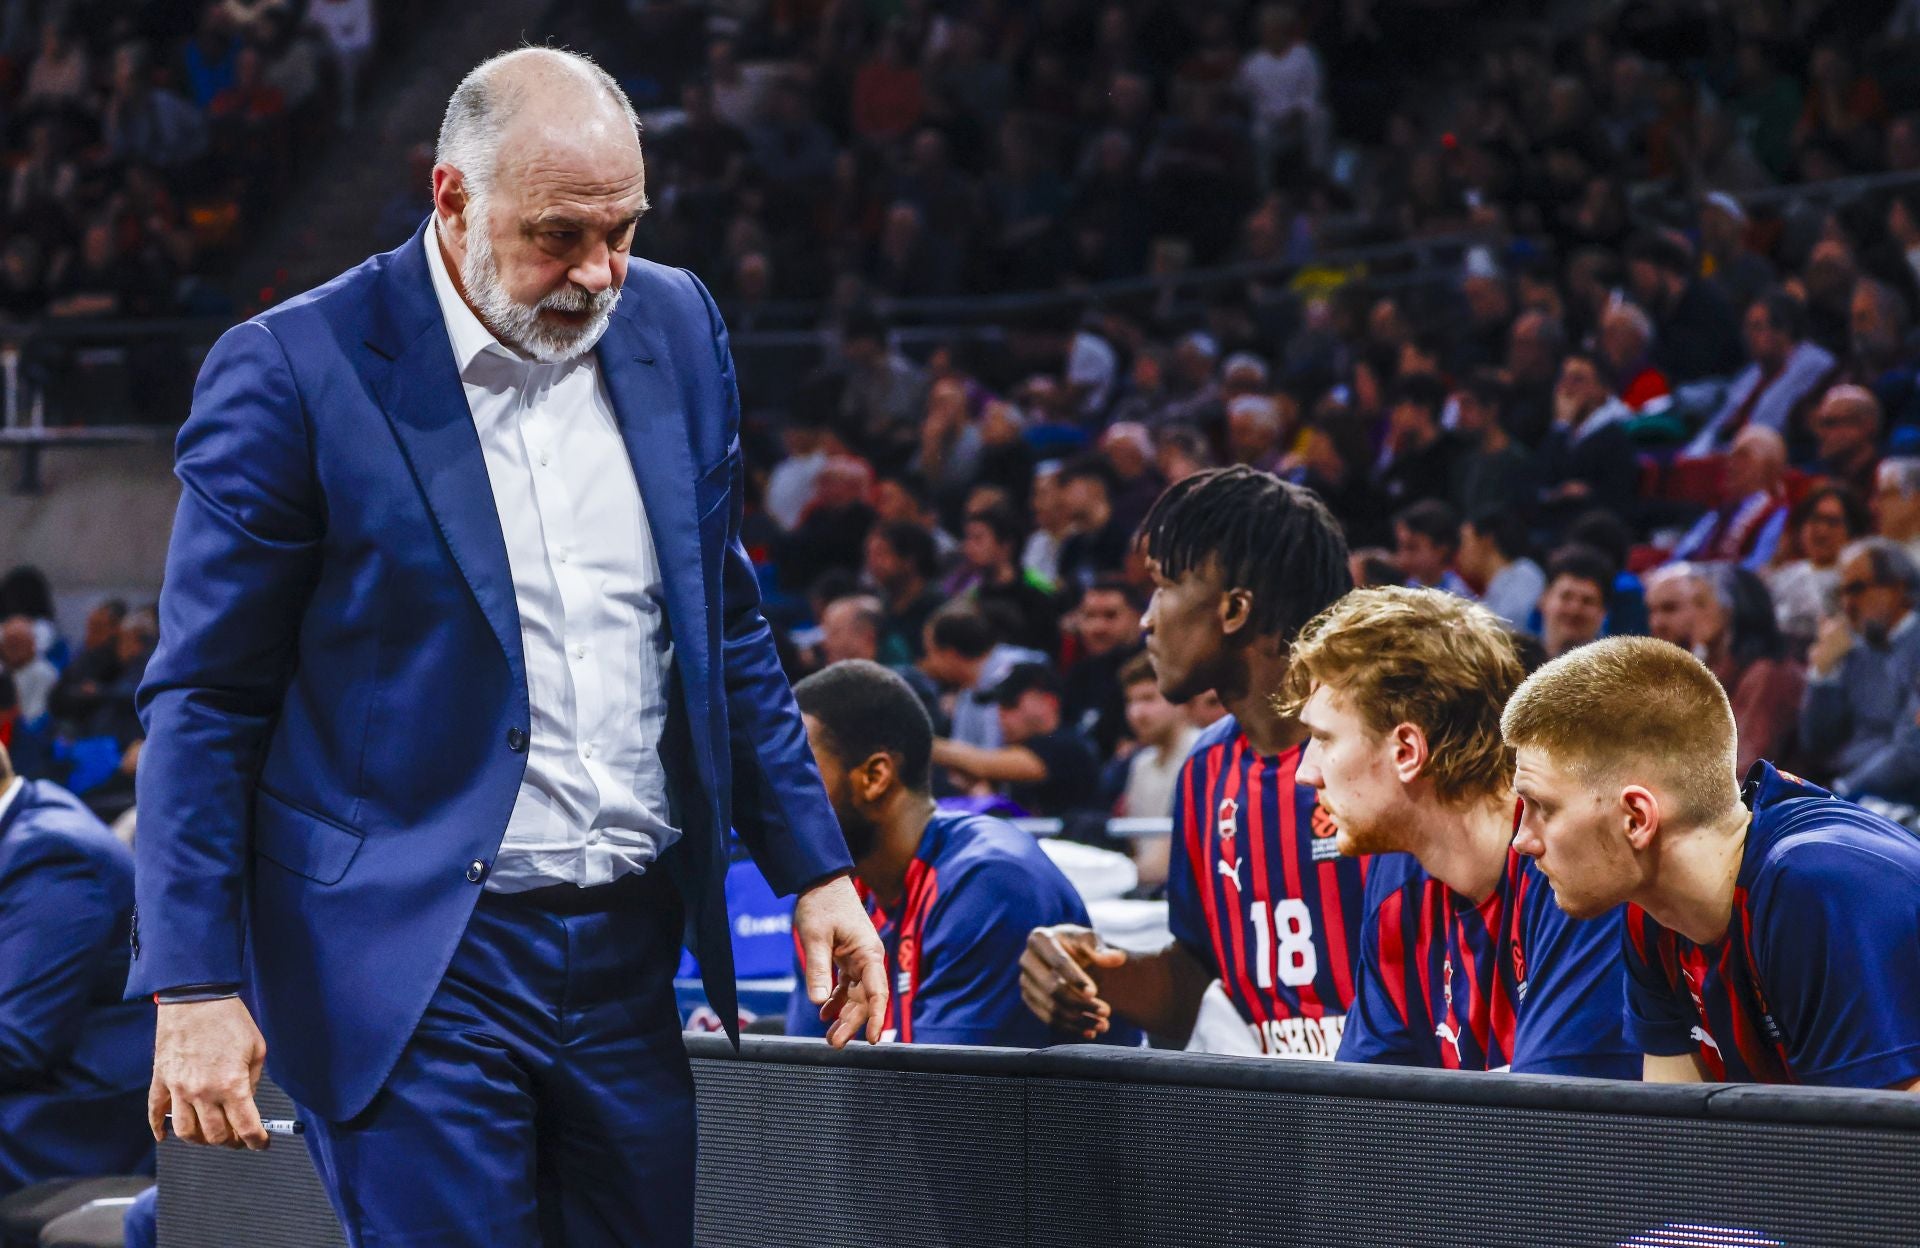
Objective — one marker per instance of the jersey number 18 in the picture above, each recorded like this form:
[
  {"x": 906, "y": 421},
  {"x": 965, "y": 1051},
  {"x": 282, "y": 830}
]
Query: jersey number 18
[{"x": 1299, "y": 961}]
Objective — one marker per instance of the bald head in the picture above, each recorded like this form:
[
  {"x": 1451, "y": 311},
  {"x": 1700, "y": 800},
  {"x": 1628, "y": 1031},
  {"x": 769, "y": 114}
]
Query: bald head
[
  {"x": 538, "y": 183},
  {"x": 1758, "y": 461}
]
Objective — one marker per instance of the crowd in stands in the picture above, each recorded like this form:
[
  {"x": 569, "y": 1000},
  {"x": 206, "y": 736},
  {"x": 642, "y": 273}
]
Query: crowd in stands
[
  {"x": 141, "y": 142},
  {"x": 1658, "y": 374}
]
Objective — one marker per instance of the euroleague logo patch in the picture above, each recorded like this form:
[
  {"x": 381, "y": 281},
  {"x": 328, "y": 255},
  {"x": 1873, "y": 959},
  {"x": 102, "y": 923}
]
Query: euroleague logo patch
[
  {"x": 1227, "y": 817},
  {"x": 1325, "y": 847}
]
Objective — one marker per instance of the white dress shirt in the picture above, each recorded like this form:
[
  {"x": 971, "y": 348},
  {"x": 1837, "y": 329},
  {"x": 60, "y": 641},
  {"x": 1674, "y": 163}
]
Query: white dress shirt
[{"x": 593, "y": 629}]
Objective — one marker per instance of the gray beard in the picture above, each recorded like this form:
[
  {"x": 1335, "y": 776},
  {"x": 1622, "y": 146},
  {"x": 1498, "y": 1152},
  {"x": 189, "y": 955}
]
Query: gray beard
[{"x": 519, "y": 325}]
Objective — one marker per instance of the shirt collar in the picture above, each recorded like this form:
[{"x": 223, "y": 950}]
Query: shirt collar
[
  {"x": 10, "y": 795},
  {"x": 469, "y": 336}
]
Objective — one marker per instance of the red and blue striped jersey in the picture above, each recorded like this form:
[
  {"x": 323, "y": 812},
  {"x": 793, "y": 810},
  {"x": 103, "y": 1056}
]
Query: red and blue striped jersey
[
  {"x": 973, "y": 892},
  {"x": 1509, "y": 983},
  {"x": 1817, "y": 979},
  {"x": 1258, "y": 891}
]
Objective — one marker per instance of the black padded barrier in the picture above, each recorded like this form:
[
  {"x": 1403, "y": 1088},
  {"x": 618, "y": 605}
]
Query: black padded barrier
[{"x": 1083, "y": 1145}]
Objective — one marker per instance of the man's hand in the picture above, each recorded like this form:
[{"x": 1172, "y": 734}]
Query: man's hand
[
  {"x": 207, "y": 1057},
  {"x": 1054, "y": 982},
  {"x": 1832, "y": 644},
  {"x": 836, "y": 935}
]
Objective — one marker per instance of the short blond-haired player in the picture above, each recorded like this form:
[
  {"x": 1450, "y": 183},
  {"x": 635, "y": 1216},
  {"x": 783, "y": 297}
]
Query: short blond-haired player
[
  {"x": 1465, "y": 962},
  {"x": 1773, "y": 930}
]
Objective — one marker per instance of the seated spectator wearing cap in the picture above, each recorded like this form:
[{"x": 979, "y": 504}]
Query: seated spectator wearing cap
[
  {"x": 33, "y": 676},
  {"x": 1492, "y": 470},
  {"x": 1419, "y": 457},
  {"x": 1846, "y": 438},
  {"x": 1573, "y": 610},
  {"x": 901, "y": 563},
  {"x": 75, "y": 1059},
  {"x": 1747, "y": 527},
  {"x": 1896, "y": 502},
  {"x": 959, "y": 891},
  {"x": 1165, "y": 735},
  {"x": 964, "y": 658},
  {"x": 1693, "y": 323},
  {"x": 1106, "y": 628},
  {"x": 1043, "y": 766},
  {"x": 1805, "y": 582},
  {"x": 1426, "y": 540},
  {"x": 1786, "y": 373},
  {"x": 1858, "y": 717},
  {"x": 1587, "y": 459},
  {"x": 1494, "y": 555}
]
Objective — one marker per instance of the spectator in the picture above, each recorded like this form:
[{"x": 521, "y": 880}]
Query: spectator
[
  {"x": 57, "y": 78},
  {"x": 1846, "y": 434},
  {"x": 833, "y": 530},
  {"x": 348, "y": 28},
  {"x": 1420, "y": 458},
  {"x": 1896, "y": 502},
  {"x": 1880, "y": 359},
  {"x": 1787, "y": 372},
  {"x": 1100, "y": 541},
  {"x": 1165, "y": 737},
  {"x": 901, "y": 564},
  {"x": 33, "y": 676},
  {"x": 1805, "y": 587},
  {"x": 1587, "y": 459},
  {"x": 885, "y": 392},
  {"x": 1128, "y": 450},
  {"x": 990, "y": 549},
  {"x": 1857, "y": 719},
  {"x": 1573, "y": 610},
  {"x": 1493, "y": 555},
  {"x": 1107, "y": 627},
  {"x": 1693, "y": 322},
  {"x": 1281, "y": 81},
  {"x": 75, "y": 699},
  {"x": 1044, "y": 767},
  {"x": 964, "y": 659},
  {"x": 1426, "y": 542},
  {"x": 1673, "y": 596},
  {"x": 1734, "y": 633},
  {"x": 851, "y": 628},
  {"x": 1254, "y": 430},
  {"x": 1626, "y": 340},
  {"x": 809, "y": 446},
  {"x": 1492, "y": 471},
  {"x": 887, "y": 97},
  {"x": 1535, "y": 350},
  {"x": 76, "y": 1058},
  {"x": 1746, "y": 528},
  {"x": 147, "y": 123}
]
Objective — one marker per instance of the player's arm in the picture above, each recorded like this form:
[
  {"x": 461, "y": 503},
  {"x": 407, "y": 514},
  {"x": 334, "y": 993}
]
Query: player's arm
[
  {"x": 1571, "y": 1021},
  {"x": 976, "y": 934},
  {"x": 1379, "y": 1027},
  {"x": 1008, "y": 764},
  {"x": 1668, "y": 1068},
  {"x": 1826, "y": 905},
  {"x": 1077, "y": 983}
]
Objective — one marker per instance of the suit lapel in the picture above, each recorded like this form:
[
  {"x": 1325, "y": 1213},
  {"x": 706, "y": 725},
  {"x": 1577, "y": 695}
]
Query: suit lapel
[
  {"x": 647, "y": 404},
  {"x": 420, "y": 392}
]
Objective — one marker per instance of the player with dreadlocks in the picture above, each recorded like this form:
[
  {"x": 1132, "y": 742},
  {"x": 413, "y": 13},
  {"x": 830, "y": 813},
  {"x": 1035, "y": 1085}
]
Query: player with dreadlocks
[{"x": 1258, "y": 894}]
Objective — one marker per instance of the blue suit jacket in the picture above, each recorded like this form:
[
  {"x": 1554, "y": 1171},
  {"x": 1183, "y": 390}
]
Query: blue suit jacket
[
  {"x": 67, "y": 1038},
  {"x": 335, "y": 712}
]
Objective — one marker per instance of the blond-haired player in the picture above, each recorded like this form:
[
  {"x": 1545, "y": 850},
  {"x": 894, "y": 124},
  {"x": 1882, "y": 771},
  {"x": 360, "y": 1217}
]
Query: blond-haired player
[
  {"x": 1773, "y": 932},
  {"x": 1465, "y": 962}
]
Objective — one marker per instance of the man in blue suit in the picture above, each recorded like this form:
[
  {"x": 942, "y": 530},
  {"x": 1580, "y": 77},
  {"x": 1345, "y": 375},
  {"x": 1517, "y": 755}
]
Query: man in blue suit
[
  {"x": 462, "y": 680},
  {"x": 75, "y": 1059}
]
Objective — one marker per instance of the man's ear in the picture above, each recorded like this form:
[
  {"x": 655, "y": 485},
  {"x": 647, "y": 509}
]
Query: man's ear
[
  {"x": 1236, "y": 610},
  {"x": 1639, "y": 812},
  {"x": 874, "y": 779},
  {"x": 1410, "y": 752}
]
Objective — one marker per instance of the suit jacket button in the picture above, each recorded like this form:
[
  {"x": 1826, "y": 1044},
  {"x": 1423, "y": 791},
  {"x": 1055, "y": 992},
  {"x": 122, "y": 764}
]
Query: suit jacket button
[
  {"x": 516, "y": 740},
  {"x": 476, "y": 871}
]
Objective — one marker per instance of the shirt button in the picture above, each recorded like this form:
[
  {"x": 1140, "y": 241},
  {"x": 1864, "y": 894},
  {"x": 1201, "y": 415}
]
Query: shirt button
[
  {"x": 579, "y": 652},
  {"x": 543, "y": 459},
  {"x": 516, "y": 740},
  {"x": 589, "y": 749},
  {"x": 476, "y": 871}
]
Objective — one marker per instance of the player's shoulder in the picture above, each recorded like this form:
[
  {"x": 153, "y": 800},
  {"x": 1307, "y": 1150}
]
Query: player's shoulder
[
  {"x": 1215, "y": 739},
  {"x": 1806, "y": 838},
  {"x": 972, "y": 848}
]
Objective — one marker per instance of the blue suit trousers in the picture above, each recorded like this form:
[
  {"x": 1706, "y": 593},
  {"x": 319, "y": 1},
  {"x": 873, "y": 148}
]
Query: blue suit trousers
[{"x": 545, "y": 1097}]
